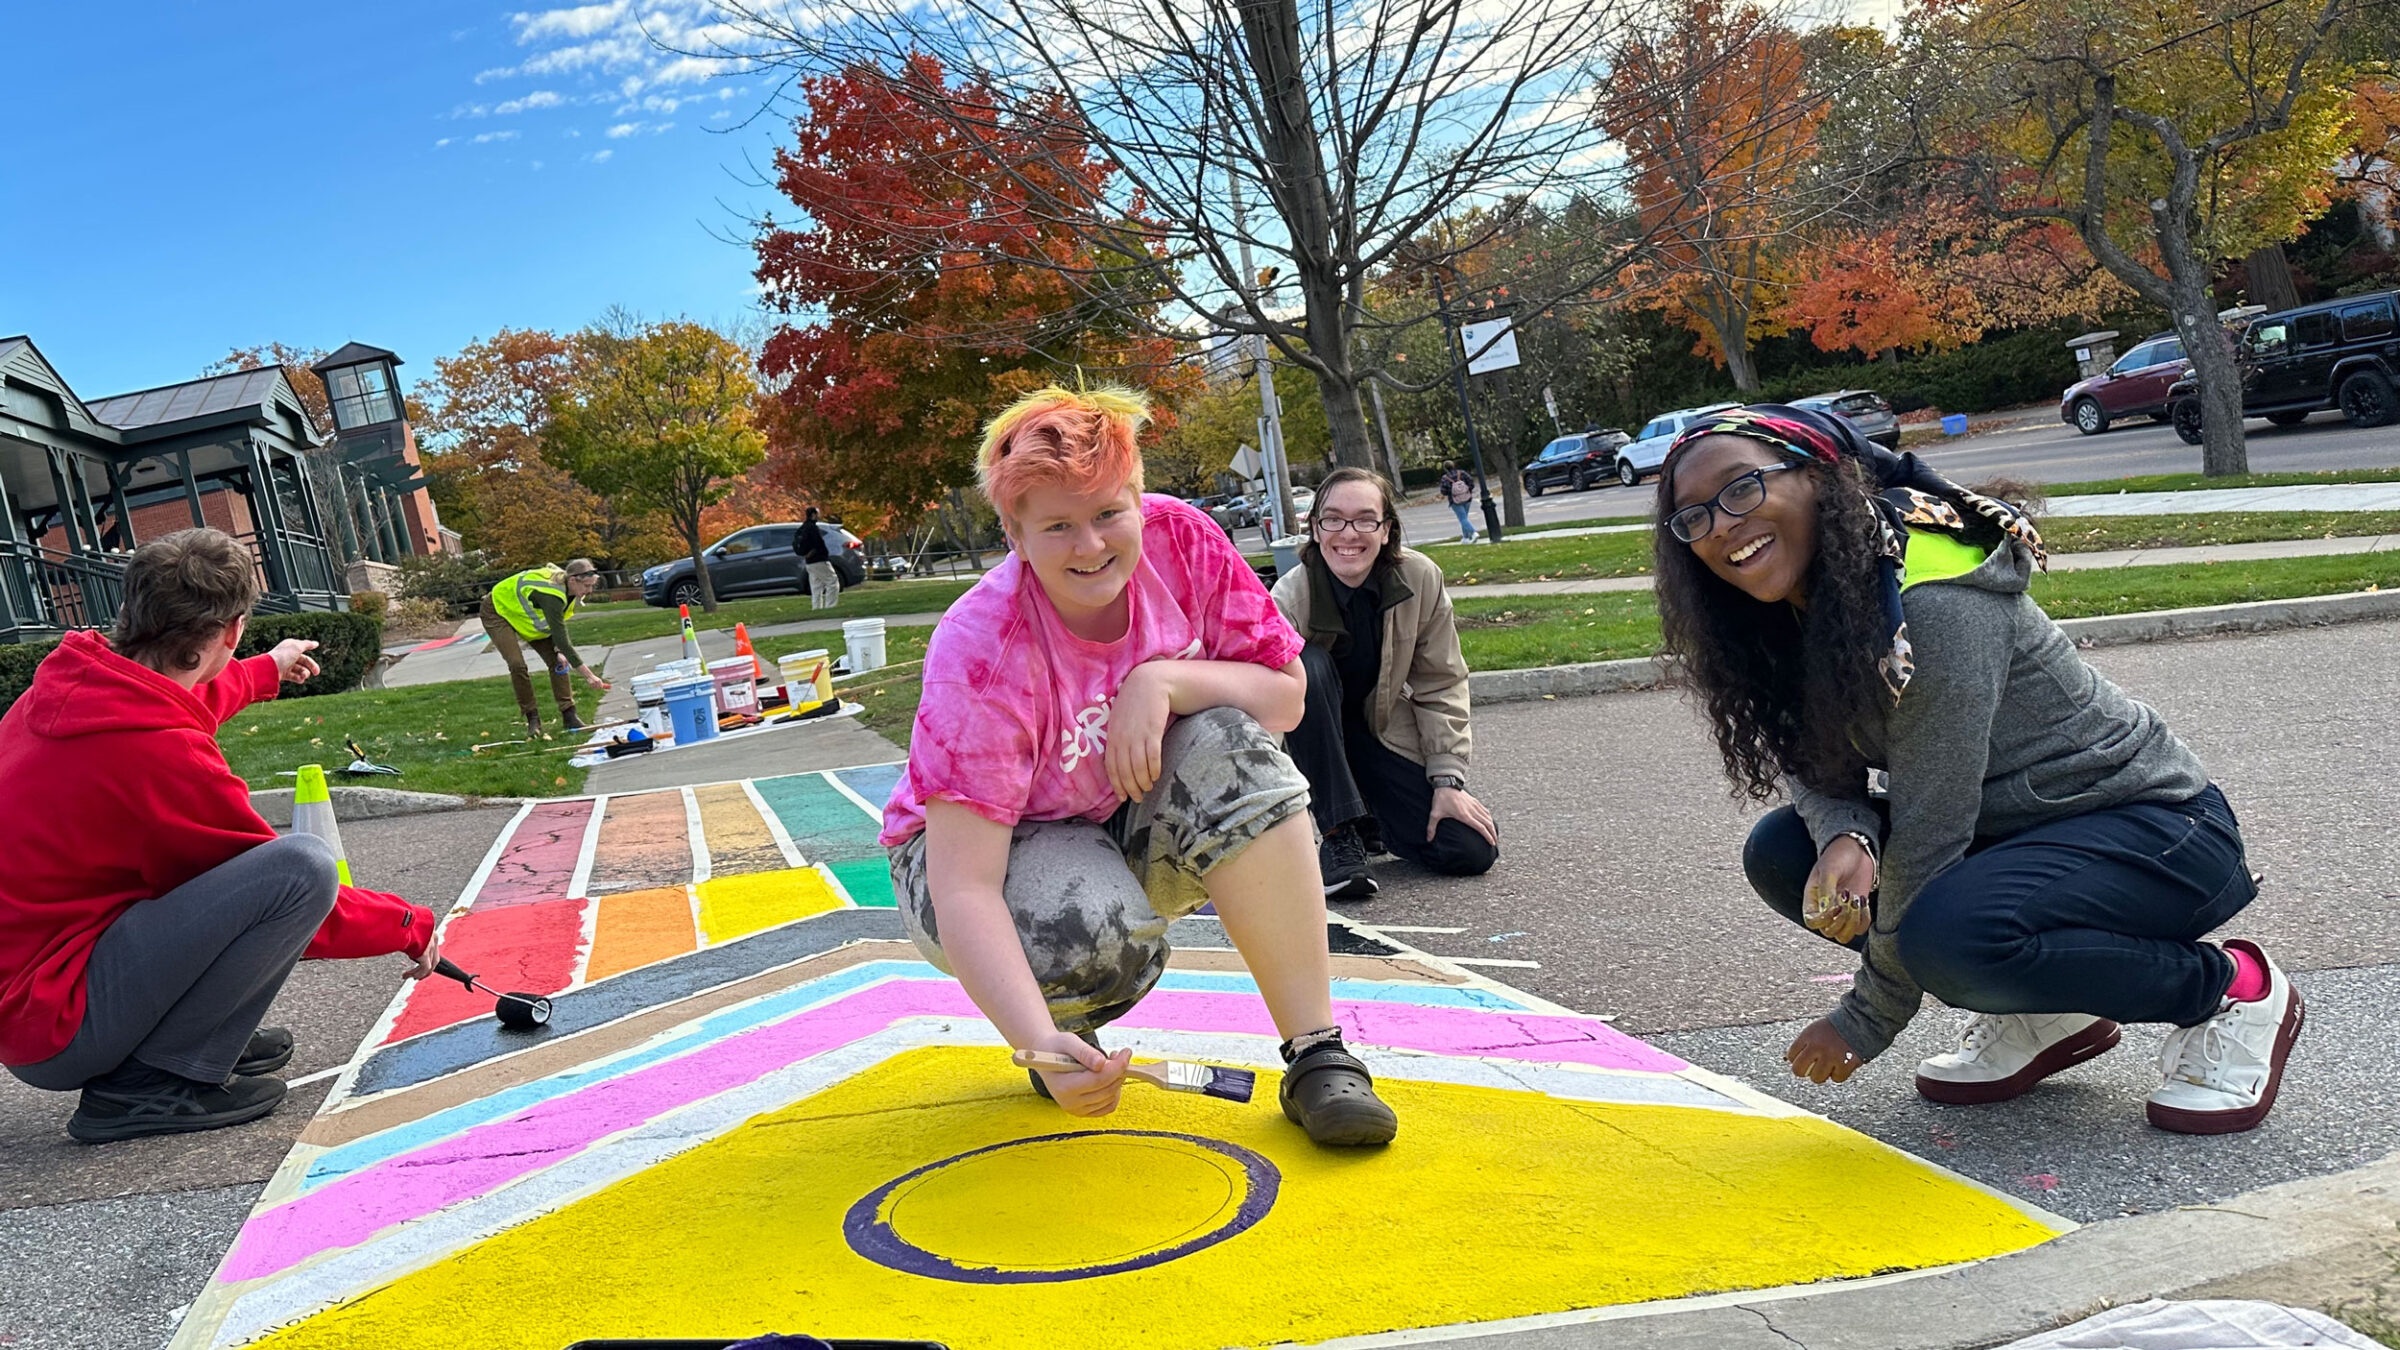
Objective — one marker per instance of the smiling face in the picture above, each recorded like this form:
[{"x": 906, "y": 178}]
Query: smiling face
[
  {"x": 1349, "y": 555},
  {"x": 1082, "y": 547},
  {"x": 1767, "y": 552}
]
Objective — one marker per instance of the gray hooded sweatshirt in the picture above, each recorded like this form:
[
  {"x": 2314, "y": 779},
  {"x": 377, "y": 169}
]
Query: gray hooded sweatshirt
[{"x": 2001, "y": 728}]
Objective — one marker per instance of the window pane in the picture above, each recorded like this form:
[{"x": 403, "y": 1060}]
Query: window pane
[
  {"x": 2367, "y": 321},
  {"x": 2318, "y": 330},
  {"x": 379, "y": 407},
  {"x": 344, "y": 383},
  {"x": 2169, "y": 351},
  {"x": 374, "y": 379}
]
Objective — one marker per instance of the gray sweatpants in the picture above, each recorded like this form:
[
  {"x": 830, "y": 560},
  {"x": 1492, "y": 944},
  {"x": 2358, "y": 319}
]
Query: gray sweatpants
[
  {"x": 1092, "y": 902},
  {"x": 181, "y": 981}
]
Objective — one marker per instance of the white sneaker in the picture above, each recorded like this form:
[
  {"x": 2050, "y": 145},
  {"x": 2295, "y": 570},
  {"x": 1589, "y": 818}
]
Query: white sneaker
[
  {"x": 2002, "y": 1055},
  {"x": 2222, "y": 1075}
]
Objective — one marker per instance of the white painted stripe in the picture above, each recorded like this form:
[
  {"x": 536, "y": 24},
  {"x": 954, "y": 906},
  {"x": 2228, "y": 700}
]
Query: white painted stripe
[
  {"x": 1463, "y": 974},
  {"x": 466, "y": 901},
  {"x": 873, "y": 811},
  {"x": 782, "y": 836},
  {"x": 1401, "y": 928},
  {"x": 691, "y": 820},
  {"x": 1492, "y": 961},
  {"x": 580, "y": 884},
  {"x": 414, "y": 1246}
]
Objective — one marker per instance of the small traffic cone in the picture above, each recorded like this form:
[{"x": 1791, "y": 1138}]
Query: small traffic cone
[
  {"x": 312, "y": 813},
  {"x": 691, "y": 639},
  {"x": 742, "y": 647}
]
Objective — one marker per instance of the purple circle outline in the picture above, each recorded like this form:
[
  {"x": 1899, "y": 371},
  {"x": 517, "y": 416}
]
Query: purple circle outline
[{"x": 874, "y": 1239}]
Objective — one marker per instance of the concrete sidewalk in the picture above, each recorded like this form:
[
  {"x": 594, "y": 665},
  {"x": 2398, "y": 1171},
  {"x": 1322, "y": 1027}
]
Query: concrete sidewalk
[
  {"x": 2192, "y": 556},
  {"x": 471, "y": 657}
]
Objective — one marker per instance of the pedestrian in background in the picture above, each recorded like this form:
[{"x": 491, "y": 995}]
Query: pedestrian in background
[
  {"x": 531, "y": 609},
  {"x": 1458, "y": 489},
  {"x": 824, "y": 584},
  {"x": 2047, "y": 854}
]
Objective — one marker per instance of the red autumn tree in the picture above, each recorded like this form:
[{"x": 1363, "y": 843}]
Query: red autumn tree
[
  {"x": 1718, "y": 122},
  {"x": 933, "y": 251}
]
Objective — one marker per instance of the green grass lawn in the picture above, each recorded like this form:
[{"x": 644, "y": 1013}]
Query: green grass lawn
[
  {"x": 1585, "y": 556},
  {"x": 425, "y": 731},
  {"x": 609, "y": 624},
  {"x": 2190, "y": 482},
  {"x": 1517, "y": 632}
]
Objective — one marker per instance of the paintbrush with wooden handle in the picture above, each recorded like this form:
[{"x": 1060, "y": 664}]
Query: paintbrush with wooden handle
[{"x": 1175, "y": 1075}]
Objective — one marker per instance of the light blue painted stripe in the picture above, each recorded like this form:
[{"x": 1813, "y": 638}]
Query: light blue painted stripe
[{"x": 408, "y": 1138}]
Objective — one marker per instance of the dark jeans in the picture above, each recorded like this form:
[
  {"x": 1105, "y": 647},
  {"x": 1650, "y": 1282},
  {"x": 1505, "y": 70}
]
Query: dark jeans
[
  {"x": 2099, "y": 913},
  {"x": 1352, "y": 774},
  {"x": 180, "y": 982}
]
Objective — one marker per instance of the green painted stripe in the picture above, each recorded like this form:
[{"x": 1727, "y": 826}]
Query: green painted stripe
[
  {"x": 825, "y": 825},
  {"x": 869, "y": 881}
]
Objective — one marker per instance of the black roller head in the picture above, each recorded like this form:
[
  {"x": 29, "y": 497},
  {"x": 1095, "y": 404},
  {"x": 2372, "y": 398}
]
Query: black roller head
[{"x": 522, "y": 1012}]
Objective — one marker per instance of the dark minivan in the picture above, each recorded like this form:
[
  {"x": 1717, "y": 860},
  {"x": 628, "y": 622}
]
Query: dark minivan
[{"x": 2341, "y": 353}]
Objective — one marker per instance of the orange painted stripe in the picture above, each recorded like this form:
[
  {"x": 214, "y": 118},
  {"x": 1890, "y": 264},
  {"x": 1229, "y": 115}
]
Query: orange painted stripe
[{"x": 636, "y": 928}]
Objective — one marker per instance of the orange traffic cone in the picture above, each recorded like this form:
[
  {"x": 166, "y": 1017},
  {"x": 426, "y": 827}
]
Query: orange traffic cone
[{"x": 742, "y": 647}]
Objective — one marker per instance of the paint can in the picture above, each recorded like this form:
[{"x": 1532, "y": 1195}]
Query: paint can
[
  {"x": 679, "y": 670},
  {"x": 864, "y": 639},
  {"x": 736, "y": 681},
  {"x": 650, "y": 703},
  {"x": 807, "y": 678},
  {"x": 691, "y": 710}
]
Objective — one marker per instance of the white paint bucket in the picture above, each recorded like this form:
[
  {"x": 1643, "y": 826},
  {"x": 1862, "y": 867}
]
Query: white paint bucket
[
  {"x": 650, "y": 699},
  {"x": 864, "y": 638}
]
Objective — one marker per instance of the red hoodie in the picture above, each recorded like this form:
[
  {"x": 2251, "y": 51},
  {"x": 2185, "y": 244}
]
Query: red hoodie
[{"x": 114, "y": 792}]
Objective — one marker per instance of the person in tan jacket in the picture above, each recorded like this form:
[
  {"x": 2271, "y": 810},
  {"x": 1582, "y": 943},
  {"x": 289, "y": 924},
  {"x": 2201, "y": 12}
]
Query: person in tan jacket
[{"x": 1384, "y": 741}]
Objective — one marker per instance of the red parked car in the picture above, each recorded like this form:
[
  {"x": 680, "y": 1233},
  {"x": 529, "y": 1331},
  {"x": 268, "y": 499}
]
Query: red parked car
[{"x": 2136, "y": 386}]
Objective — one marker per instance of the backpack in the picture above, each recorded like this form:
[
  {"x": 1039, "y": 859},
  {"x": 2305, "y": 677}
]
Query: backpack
[{"x": 1462, "y": 488}]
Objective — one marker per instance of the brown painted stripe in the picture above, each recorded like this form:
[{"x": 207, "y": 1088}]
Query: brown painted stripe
[
  {"x": 739, "y": 842},
  {"x": 645, "y": 844}
]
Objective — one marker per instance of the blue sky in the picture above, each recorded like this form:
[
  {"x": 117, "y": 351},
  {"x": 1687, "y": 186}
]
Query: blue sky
[{"x": 185, "y": 177}]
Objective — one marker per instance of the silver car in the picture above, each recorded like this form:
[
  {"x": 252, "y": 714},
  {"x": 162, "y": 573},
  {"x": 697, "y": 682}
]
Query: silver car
[
  {"x": 1641, "y": 459},
  {"x": 1864, "y": 409}
]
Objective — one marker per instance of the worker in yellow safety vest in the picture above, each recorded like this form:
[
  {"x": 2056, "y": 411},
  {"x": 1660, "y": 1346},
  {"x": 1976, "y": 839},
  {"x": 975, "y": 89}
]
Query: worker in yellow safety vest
[{"x": 530, "y": 609}]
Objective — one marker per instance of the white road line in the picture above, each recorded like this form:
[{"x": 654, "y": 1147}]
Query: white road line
[
  {"x": 580, "y": 884},
  {"x": 1403, "y": 928},
  {"x": 844, "y": 788},
  {"x": 691, "y": 820},
  {"x": 783, "y": 837},
  {"x": 1492, "y": 961}
]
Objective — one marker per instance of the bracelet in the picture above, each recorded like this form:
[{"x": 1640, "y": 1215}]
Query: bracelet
[
  {"x": 1863, "y": 842},
  {"x": 1447, "y": 780}
]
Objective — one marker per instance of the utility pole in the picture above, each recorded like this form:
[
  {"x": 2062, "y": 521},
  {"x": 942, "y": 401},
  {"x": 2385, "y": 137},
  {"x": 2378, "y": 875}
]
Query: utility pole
[
  {"x": 1491, "y": 513},
  {"x": 1270, "y": 408}
]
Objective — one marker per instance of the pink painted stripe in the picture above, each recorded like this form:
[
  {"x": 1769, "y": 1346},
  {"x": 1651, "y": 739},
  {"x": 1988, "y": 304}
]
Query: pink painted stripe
[
  {"x": 539, "y": 862},
  {"x": 348, "y": 1212}
]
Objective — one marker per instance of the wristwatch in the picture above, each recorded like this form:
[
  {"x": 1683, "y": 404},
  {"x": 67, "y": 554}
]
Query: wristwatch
[{"x": 1447, "y": 780}]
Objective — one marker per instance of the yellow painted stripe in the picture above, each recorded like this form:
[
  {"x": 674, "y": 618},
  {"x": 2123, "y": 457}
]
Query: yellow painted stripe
[
  {"x": 738, "y": 840},
  {"x": 733, "y": 906},
  {"x": 639, "y": 927}
]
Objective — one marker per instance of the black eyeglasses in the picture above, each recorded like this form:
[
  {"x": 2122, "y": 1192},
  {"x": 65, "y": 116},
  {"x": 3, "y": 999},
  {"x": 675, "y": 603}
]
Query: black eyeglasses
[
  {"x": 1737, "y": 498},
  {"x": 1336, "y": 524}
]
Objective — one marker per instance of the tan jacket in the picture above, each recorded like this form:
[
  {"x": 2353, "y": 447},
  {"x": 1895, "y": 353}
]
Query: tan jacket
[{"x": 1420, "y": 705}]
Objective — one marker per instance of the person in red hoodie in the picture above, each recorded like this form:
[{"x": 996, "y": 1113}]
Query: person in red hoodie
[{"x": 148, "y": 915}]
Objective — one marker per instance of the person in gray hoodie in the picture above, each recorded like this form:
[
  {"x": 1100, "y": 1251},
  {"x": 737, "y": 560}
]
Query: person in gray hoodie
[{"x": 2046, "y": 854}]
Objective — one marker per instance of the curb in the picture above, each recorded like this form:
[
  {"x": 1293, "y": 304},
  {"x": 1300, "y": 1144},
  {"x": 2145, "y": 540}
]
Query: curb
[
  {"x": 370, "y": 803},
  {"x": 2246, "y": 1246},
  {"x": 2255, "y": 616}
]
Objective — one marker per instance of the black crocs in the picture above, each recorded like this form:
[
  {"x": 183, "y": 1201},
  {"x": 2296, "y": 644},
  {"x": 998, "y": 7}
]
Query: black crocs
[{"x": 1330, "y": 1094}]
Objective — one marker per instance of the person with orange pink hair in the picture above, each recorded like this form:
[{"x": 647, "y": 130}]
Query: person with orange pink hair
[{"x": 1096, "y": 756}]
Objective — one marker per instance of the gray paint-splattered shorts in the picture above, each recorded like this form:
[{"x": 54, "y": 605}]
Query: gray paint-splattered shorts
[{"x": 1092, "y": 902}]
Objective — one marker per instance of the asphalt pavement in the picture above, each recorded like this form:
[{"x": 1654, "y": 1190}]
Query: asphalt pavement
[{"x": 1618, "y": 892}]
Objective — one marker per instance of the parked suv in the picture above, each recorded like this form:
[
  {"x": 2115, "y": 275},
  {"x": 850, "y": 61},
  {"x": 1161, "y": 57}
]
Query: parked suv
[
  {"x": 1864, "y": 409},
  {"x": 755, "y": 561},
  {"x": 2135, "y": 385},
  {"x": 1650, "y": 445},
  {"x": 2334, "y": 354},
  {"x": 1576, "y": 461}
]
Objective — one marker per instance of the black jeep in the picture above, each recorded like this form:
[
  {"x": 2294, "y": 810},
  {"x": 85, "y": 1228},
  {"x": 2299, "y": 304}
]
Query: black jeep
[{"x": 2334, "y": 354}]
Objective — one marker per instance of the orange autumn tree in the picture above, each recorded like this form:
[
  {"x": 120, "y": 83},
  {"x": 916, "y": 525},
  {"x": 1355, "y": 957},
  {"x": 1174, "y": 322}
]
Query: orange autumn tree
[
  {"x": 1937, "y": 276},
  {"x": 942, "y": 281},
  {"x": 1718, "y": 121}
]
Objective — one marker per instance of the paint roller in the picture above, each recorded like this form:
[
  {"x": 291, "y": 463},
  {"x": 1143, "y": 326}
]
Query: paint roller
[{"x": 517, "y": 1012}]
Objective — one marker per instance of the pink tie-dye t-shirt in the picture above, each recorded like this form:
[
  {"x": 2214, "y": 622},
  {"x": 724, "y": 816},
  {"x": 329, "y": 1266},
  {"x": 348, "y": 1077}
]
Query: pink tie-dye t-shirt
[{"x": 1015, "y": 710}]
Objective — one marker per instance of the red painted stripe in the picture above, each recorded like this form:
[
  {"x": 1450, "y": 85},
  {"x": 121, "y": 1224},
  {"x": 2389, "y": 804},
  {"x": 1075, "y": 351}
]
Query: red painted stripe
[
  {"x": 528, "y": 948},
  {"x": 540, "y": 859}
]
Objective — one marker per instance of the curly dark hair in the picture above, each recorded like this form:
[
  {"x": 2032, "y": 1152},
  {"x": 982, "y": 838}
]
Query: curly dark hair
[{"x": 1784, "y": 687}]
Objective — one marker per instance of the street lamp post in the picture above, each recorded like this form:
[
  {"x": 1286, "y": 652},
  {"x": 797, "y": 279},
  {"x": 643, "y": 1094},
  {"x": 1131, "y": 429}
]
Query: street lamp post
[{"x": 1491, "y": 513}]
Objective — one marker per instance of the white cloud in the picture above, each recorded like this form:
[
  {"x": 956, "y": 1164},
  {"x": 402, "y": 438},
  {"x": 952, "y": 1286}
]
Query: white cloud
[
  {"x": 662, "y": 128},
  {"x": 581, "y": 21},
  {"x": 574, "y": 134},
  {"x": 537, "y": 166},
  {"x": 685, "y": 70},
  {"x": 598, "y": 156},
  {"x": 623, "y": 129},
  {"x": 495, "y": 73},
  {"x": 539, "y": 98},
  {"x": 720, "y": 114},
  {"x": 442, "y": 142},
  {"x": 488, "y": 137}
]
